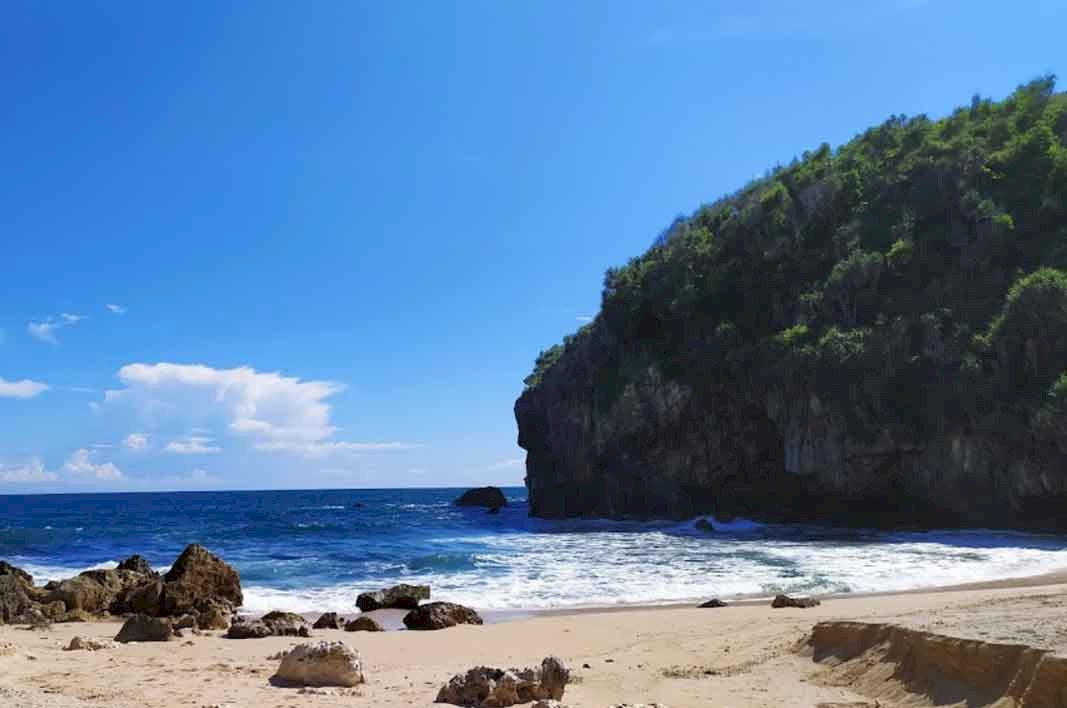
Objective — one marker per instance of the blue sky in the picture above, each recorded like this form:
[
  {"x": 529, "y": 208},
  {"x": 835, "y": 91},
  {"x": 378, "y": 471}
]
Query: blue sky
[{"x": 253, "y": 245}]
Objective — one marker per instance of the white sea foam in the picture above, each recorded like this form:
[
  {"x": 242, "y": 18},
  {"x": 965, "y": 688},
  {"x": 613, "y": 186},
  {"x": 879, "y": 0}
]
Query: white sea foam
[
  {"x": 603, "y": 568},
  {"x": 43, "y": 573}
]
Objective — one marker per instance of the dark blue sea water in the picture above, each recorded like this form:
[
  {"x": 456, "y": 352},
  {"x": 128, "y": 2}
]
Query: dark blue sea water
[{"x": 315, "y": 550}]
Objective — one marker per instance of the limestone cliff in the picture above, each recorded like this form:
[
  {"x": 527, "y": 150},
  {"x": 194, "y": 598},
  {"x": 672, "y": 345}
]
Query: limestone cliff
[{"x": 875, "y": 335}]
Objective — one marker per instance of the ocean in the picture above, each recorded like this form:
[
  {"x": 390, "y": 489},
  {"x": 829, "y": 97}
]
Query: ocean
[{"x": 316, "y": 550}]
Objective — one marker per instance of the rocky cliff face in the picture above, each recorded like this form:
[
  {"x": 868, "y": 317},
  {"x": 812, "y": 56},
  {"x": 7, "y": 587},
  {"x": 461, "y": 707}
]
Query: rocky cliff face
[{"x": 668, "y": 450}]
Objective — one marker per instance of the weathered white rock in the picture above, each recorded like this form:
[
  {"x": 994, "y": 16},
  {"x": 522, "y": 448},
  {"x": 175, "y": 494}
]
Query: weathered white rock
[
  {"x": 486, "y": 687},
  {"x": 321, "y": 664}
]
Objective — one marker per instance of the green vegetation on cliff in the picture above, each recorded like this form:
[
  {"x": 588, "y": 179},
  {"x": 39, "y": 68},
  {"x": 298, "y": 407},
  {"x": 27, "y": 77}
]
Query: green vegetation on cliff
[{"x": 916, "y": 277}]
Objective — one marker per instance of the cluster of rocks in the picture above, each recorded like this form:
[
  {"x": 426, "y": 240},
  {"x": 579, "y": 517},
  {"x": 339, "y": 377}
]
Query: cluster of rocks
[
  {"x": 198, "y": 584},
  {"x": 485, "y": 687},
  {"x": 778, "y": 602},
  {"x": 429, "y": 616}
]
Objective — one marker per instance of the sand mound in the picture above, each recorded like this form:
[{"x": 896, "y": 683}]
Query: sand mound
[{"x": 912, "y": 667}]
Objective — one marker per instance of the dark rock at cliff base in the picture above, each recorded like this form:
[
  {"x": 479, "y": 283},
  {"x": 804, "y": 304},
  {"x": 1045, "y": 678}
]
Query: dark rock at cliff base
[
  {"x": 364, "y": 624},
  {"x": 197, "y": 580},
  {"x": 714, "y": 603},
  {"x": 8, "y": 569},
  {"x": 439, "y": 615},
  {"x": 401, "y": 597},
  {"x": 780, "y": 601},
  {"x": 704, "y": 525},
  {"x": 483, "y": 496},
  {"x": 142, "y": 628},
  {"x": 328, "y": 620}
]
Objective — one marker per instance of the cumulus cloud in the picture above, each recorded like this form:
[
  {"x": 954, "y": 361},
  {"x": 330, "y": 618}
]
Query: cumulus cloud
[
  {"x": 46, "y": 330},
  {"x": 273, "y": 412},
  {"x": 192, "y": 445},
  {"x": 80, "y": 464},
  {"x": 21, "y": 389},
  {"x": 584, "y": 318},
  {"x": 116, "y": 309},
  {"x": 136, "y": 441},
  {"x": 31, "y": 470}
]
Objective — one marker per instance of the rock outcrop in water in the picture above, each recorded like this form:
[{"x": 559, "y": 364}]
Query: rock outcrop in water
[
  {"x": 490, "y": 497},
  {"x": 875, "y": 335}
]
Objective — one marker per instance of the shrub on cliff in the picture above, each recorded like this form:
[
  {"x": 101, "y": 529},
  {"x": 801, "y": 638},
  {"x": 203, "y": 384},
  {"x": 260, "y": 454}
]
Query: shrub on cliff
[{"x": 912, "y": 277}]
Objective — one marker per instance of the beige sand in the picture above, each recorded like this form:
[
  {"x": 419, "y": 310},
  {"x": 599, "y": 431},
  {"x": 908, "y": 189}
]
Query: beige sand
[{"x": 679, "y": 656}]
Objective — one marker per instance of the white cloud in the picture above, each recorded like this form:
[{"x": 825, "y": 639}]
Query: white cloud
[
  {"x": 80, "y": 464},
  {"x": 192, "y": 445},
  {"x": 116, "y": 309},
  {"x": 46, "y": 330},
  {"x": 31, "y": 470},
  {"x": 21, "y": 389},
  {"x": 136, "y": 441},
  {"x": 275, "y": 413},
  {"x": 584, "y": 318}
]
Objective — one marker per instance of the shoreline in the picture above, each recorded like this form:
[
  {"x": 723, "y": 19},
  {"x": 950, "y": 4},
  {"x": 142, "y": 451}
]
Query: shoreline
[
  {"x": 391, "y": 619},
  {"x": 746, "y": 655}
]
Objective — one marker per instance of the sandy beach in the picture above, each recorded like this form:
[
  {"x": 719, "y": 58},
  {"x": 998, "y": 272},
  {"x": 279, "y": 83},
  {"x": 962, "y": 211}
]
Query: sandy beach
[{"x": 743, "y": 655}]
